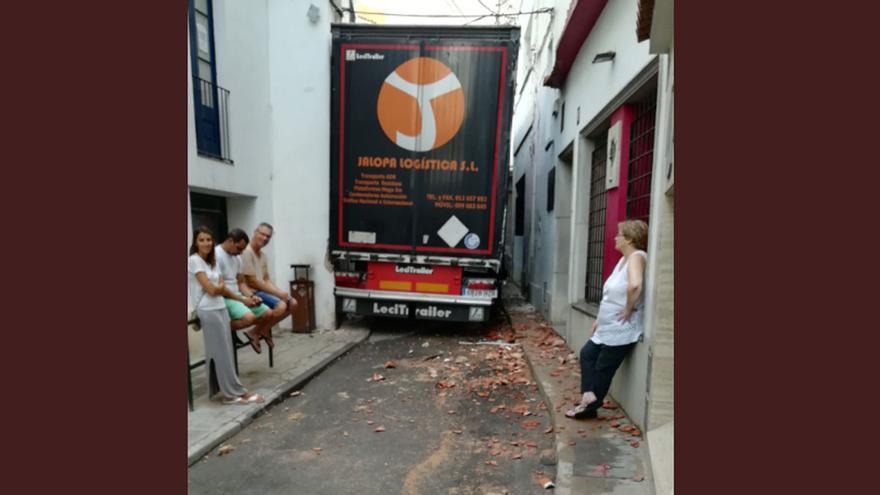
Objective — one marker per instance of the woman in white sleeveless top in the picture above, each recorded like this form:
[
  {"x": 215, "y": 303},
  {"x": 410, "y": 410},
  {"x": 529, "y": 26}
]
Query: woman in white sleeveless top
[
  {"x": 206, "y": 292},
  {"x": 620, "y": 321}
]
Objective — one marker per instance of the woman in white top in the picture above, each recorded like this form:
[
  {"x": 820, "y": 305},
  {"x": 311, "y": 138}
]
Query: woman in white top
[
  {"x": 619, "y": 323},
  {"x": 206, "y": 291}
]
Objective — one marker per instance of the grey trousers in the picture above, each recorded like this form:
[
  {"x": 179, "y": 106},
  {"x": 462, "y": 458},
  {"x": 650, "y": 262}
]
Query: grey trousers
[{"x": 219, "y": 364}]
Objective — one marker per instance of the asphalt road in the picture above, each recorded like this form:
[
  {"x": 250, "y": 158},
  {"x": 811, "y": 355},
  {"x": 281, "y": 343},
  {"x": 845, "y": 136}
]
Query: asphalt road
[{"x": 457, "y": 419}]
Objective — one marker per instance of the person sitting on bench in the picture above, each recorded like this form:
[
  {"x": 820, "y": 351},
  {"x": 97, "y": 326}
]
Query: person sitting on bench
[
  {"x": 245, "y": 309},
  {"x": 205, "y": 290},
  {"x": 255, "y": 268}
]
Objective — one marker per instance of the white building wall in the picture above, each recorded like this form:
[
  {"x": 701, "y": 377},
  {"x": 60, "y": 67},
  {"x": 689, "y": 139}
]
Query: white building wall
[
  {"x": 660, "y": 301},
  {"x": 590, "y": 93},
  {"x": 300, "y": 130},
  {"x": 242, "y": 62},
  {"x": 534, "y": 108},
  {"x": 589, "y": 89},
  {"x": 279, "y": 133}
]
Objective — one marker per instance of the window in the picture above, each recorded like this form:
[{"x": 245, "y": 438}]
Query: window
[
  {"x": 209, "y": 99},
  {"x": 596, "y": 234},
  {"x": 551, "y": 189},
  {"x": 562, "y": 118},
  {"x": 520, "y": 207},
  {"x": 641, "y": 159}
]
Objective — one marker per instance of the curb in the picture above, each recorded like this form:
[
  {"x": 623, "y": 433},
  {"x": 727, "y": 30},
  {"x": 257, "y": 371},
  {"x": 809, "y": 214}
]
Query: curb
[
  {"x": 277, "y": 395},
  {"x": 563, "y": 470}
]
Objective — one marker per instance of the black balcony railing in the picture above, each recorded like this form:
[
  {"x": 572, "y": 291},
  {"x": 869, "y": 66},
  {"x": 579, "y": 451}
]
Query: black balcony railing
[{"x": 212, "y": 119}]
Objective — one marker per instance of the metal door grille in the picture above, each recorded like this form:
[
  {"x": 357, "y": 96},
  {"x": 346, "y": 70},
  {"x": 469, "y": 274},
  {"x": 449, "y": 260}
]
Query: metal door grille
[
  {"x": 641, "y": 159},
  {"x": 596, "y": 237}
]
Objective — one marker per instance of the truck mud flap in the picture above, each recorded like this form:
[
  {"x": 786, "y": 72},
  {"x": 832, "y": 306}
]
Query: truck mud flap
[{"x": 419, "y": 310}]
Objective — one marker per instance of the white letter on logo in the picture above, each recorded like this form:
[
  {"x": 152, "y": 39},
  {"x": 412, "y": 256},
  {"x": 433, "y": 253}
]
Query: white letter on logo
[{"x": 423, "y": 94}]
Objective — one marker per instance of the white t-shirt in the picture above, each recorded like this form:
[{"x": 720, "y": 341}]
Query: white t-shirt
[
  {"x": 197, "y": 294},
  {"x": 609, "y": 330},
  {"x": 230, "y": 266}
]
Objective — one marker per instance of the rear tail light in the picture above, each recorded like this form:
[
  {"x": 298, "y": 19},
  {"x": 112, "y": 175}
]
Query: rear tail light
[
  {"x": 480, "y": 284},
  {"x": 347, "y": 279}
]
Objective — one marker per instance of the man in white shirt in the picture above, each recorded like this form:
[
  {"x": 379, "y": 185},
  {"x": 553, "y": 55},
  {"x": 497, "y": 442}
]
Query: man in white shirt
[{"x": 245, "y": 308}]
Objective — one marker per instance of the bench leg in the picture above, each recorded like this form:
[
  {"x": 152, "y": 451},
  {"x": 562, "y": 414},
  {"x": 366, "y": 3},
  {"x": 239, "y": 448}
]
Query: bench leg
[
  {"x": 235, "y": 353},
  {"x": 189, "y": 385}
]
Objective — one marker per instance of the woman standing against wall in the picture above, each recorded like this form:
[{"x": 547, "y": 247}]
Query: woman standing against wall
[
  {"x": 206, "y": 291},
  {"x": 620, "y": 321}
]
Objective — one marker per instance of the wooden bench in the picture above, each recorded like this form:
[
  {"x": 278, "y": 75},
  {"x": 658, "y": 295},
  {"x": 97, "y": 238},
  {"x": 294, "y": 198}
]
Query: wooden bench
[{"x": 237, "y": 343}]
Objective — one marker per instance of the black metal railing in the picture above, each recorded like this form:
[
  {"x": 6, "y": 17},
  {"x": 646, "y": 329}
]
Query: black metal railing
[
  {"x": 212, "y": 119},
  {"x": 641, "y": 159},
  {"x": 596, "y": 236}
]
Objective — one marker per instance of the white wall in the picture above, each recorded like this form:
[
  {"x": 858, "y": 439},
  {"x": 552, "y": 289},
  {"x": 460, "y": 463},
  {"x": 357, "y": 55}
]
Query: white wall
[
  {"x": 533, "y": 108},
  {"x": 588, "y": 90},
  {"x": 660, "y": 301},
  {"x": 242, "y": 62},
  {"x": 299, "y": 57},
  {"x": 279, "y": 132},
  {"x": 591, "y": 86}
]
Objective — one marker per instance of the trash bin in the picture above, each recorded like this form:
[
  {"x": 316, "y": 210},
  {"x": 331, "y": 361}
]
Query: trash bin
[{"x": 302, "y": 289}]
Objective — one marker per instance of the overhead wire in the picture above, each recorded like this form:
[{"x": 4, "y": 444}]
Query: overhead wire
[{"x": 545, "y": 10}]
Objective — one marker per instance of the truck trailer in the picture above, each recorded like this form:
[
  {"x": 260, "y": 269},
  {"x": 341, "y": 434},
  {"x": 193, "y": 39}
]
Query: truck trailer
[{"x": 420, "y": 149}]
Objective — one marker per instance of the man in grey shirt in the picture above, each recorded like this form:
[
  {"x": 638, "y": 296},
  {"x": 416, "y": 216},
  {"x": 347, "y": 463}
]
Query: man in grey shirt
[{"x": 255, "y": 269}]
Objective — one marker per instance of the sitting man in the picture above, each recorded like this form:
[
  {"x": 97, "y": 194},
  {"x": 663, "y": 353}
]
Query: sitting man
[
  {"x": 244, "y": 310},
  {"x": 255, "y": 269}
]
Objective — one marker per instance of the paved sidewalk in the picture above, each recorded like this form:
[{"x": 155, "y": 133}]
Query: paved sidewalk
[
  {"x": 297, "y": 358},
  {"x": 604, "y": 455}
]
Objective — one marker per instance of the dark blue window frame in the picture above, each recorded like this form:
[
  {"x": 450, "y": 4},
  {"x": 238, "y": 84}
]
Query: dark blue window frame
[{"x": 205, "y": 97}]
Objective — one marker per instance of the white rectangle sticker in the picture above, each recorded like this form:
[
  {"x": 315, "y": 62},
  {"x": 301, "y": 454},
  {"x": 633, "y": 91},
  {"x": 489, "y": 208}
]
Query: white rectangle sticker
[
  {"x": 612, "y": 163},
  {"x": 361, "y": 237}
]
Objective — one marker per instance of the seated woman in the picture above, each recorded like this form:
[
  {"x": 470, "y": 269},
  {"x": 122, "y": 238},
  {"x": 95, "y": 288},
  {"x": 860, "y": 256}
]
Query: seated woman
[
  {"x": 206, "y": 290},
  {"x": 619, "y": 324}
]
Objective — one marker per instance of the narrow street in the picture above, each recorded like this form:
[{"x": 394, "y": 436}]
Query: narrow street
[{"x": 417, "y": 408}]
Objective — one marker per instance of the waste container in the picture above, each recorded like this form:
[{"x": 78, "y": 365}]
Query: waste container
[{"x": 302, "y": 289}]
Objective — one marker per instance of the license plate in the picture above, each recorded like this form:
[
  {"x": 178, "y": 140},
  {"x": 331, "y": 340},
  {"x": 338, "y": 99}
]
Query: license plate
[{"x": 481, "y": 293}]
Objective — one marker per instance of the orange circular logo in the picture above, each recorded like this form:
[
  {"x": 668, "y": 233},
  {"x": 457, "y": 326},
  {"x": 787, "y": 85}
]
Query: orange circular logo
[{"x": 421, "y": 105}]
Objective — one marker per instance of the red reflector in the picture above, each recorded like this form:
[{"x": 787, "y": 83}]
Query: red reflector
[
  {"x": 347, "y": 280},
  {"x": 480, "y": 286}
]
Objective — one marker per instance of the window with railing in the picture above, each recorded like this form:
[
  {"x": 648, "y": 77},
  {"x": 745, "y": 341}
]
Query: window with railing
[
  {"x": 210, "y": 101},
  {"x": 212, "y": 118},
  {"x": 596, "y": 233},
  {"x": 641, "y": 159}
]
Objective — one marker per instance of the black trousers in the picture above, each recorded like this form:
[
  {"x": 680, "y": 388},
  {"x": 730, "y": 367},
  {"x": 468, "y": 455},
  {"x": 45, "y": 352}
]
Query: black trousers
[{"x": 598, "y": 364}]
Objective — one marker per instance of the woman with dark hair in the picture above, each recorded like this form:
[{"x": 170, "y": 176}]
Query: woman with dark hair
[
  {"x": 206, "y": 292},
  {"x": 618, "y": 325}
]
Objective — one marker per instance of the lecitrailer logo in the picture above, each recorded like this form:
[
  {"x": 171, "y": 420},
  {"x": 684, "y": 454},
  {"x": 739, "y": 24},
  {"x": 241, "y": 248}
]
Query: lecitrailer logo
[{"x": 421, "y": 104}]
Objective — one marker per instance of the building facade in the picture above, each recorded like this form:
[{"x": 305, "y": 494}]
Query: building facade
[
  {"x": 592, "y": 131},
  {"x": 258, "y": 129}
]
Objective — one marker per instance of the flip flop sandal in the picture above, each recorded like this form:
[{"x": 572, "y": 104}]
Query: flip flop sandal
[
  {"x": 235, "y": 401},
  {"x": 253, "y": 399},
  {"x": 581, "y": 412},
  {"x": 573, "y": 413},
  {"x": 255, "y": 343}
]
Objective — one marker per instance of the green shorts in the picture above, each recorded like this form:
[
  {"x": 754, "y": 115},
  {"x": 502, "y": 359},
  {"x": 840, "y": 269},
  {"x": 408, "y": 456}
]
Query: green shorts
[{"x": 237, "y": 309}]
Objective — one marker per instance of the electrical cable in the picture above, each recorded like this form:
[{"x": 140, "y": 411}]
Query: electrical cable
[{"x": 545, "y": 10}]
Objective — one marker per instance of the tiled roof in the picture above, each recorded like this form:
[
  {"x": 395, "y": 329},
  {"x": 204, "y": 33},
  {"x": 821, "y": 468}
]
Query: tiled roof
[{"x": 646, "y": 15}]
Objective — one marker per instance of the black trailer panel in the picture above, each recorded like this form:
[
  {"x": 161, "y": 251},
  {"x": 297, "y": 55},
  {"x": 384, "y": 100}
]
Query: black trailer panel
[{"x": 420, "y": 138}]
